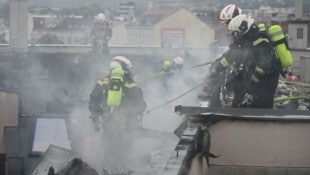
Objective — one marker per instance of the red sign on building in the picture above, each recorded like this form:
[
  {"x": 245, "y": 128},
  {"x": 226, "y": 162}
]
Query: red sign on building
[{"x": 172, "y": 37}]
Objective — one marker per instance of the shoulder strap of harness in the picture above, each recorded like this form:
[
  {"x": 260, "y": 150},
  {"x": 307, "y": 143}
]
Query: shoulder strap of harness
[
  {"x": 130, "y": 85},
  {"x": 260, "y": 40},
  {"x": 102, "y": 82}
]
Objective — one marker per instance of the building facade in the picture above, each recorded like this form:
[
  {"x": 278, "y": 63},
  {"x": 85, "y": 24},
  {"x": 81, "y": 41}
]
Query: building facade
[
  {"x": 299, "y": 34},
  {"x": 176, "y": 29}
]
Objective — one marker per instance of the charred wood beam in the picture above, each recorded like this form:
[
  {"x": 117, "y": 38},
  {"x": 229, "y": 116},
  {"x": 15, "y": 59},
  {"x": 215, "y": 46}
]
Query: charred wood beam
[{"x": 181, "y": 158}]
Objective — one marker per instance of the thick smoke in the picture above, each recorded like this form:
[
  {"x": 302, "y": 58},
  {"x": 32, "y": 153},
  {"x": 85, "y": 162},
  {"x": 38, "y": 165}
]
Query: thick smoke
[
  {"x": 60, "y": 83},
  {"x": 92, "y": 145},
  {"x": 163, "y": 96},
  {"x": 156, "y": 143}
]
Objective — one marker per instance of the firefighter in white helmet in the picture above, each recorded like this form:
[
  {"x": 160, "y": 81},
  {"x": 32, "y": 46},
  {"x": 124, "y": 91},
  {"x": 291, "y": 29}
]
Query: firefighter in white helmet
[
  {"x": 118, "y": 90},
  {"x": 261, "y": 68},
  {"x": 170, "y": 67},
  {"x": 215, "y": 81},
  {"x": 250, "y": 60},
  {"x": 172, "y": 64},
  {"x": 101, "y": 33}
]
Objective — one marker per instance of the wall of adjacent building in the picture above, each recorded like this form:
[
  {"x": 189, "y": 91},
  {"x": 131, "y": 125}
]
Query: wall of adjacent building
[
  {"x": 119, "y": 36},
  {"x": 298, "y": 39},
  {"x": 197, "y": 34},
  {"x": 187, "y": 28},
  {"x": 141, "y": 36}
]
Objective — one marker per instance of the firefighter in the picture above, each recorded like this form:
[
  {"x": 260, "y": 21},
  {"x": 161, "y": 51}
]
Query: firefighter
[
  {"x": 262, "y": 68},
  {"x": 101, "y": 33},
  {"x": 216, "y": 78},
  {"x": 168, "y": 67},
  {"x": 171, "y": 65},
  {"x": 117, "y": 91}
]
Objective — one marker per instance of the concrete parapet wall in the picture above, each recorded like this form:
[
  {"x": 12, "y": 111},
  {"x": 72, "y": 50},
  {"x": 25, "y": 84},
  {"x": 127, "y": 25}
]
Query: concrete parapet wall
[{"x": 261, "y": 143}]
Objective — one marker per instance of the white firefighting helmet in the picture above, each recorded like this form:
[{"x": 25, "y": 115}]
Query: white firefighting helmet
[
  {"x": 100, "y": 18},
  {"x": 178, "y": 61},
  {"x": 229, "y": 12},
  {"x": 115, "y": 64},
  {"x": 241, "y": 24},
  {"x": 122, "y": 60}
]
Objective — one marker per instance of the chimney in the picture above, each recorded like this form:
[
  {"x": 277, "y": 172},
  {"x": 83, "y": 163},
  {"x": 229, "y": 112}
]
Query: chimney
[
  {"x": 19, "y": 25},
  {"x": 298, "y": 9}
]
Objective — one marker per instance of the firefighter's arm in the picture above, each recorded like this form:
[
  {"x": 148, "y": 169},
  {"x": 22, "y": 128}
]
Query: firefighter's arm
[
  {"x": 136, "y": 95},
  {"x": 109, "y": 33},
  {"x": 96, "y": 98},
  {"x": 224, "y": 61},
  {"x": 98, "y": 89},
  {"x": 218, "y": 66}
]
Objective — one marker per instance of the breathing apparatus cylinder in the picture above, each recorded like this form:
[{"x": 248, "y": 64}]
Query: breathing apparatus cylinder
[
  {"x": 278, "y": 39},
  {"x": 115, "y": 91}
]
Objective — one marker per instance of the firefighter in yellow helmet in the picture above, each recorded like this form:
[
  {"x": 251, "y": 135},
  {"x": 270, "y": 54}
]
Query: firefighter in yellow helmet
[{"x": 116, "y": 91}]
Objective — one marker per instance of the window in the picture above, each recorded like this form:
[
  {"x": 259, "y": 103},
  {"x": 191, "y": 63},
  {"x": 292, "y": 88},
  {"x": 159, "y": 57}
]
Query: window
[
  {"x": 50, "y": 131},
  {"x": 300, "y": 33}
]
